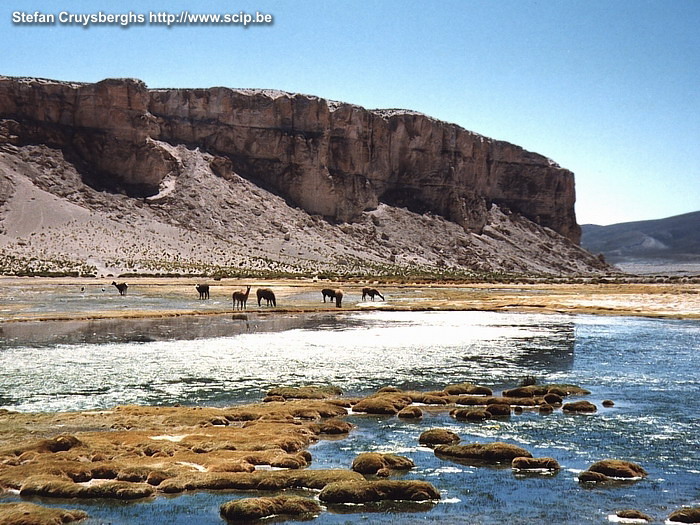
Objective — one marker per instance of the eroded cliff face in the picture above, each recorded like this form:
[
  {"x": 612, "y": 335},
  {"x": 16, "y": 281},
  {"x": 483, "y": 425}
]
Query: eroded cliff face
[{"x": 328, "y": 158}]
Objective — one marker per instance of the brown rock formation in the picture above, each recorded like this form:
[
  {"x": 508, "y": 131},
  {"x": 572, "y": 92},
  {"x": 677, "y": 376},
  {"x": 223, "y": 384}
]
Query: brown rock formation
[
  {"x": 383, "y": 403},
  {"x": 546, "y": 409},
  {"x": 329, "y": 158},
  {"x": 588, "y": 476},
  {"x": 480, "y": 453},
  {"x": 535, "y": 464},
  {"x": 335, "y": 426},
  {"x": 410, "y": 412},
  {"x": 366, "y": 491},
  {"x": 553, "y": 399},
  {"x": 438, "y": 436},
  {"x": 106, "y": 125},
  {"x": 612, "y": 470},
  {"x": 617, "y": 468},
  {"x": 685, "y": 515},
  {"x": 494, "y": 400},
  {"x": 433, "y": 400},
  {"x": 470, "y": 414},
  {"x": 498, "y": 409},
  {"x": 373, "y": 462},
  {"x": 51, "y": 487},
  {"x": 633, "y": 514},
  {"x": 305, "y": 392},
  {"x": 31, "y": 514},
  {"x": 579, "y": 406},
  {"x": 247, "y": 509},
  {"x": 561, "y": 390},
  {"x": 142, "y": 451}
]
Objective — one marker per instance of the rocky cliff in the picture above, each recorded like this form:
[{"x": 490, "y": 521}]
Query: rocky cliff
[
  {"x": 329, "y": 158},
  {"x": 251, "y": 171}
]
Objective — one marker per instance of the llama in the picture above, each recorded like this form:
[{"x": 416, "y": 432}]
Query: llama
[
  {"x": 203, "y": 290},
  {"x": 327, "y": 292},
  {"x": 268, "y": 295},
  {"x": 121, "y": 287},
  {"x": 240, "y": 299},
  {"x": 371, "y": 292}
]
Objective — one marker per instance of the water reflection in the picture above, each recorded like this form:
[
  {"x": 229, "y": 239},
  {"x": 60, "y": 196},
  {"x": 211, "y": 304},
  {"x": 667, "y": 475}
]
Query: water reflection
[
  {"x": 545, "y": 348},
  {"x": 397, "y": 507},
  {"x": 227, "y": 359},
  {"x": 644, "y": 365},
  {"x": 49, "y": 333}
]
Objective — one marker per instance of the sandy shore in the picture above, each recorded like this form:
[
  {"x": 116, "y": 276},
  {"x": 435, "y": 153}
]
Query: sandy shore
[{"x": 25, "y": 299}]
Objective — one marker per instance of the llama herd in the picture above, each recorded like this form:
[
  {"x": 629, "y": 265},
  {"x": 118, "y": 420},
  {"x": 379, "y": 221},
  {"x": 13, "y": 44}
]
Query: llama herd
[{"x": 240, "y": 297}]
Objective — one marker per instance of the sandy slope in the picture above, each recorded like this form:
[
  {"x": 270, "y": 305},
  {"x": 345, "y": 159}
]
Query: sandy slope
[{"x": 201, "y": 222}]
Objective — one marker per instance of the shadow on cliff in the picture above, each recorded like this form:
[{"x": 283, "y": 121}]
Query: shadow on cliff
[
  {"x": 408, "y": 198},
  {"x": 102, "y": 181},
  {"x": 229, "y": 166}
]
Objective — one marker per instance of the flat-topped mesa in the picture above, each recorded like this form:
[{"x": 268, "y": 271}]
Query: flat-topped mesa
[
  {"x": 329, "y": 158},
  {"x": 105, "y": 125}
]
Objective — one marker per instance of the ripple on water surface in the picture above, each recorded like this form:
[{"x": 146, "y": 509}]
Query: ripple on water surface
[{"x": 646, "y": 366}]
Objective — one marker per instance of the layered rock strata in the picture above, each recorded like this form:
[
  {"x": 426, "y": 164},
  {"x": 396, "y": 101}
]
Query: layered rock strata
[{"x": 329, "y": 158}]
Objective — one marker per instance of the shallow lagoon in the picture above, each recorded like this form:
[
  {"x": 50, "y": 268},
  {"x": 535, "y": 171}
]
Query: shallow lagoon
[{"x": 648, "y": 367}]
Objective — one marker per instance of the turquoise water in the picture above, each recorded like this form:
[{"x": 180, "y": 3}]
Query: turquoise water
[{"x": 648, "y": 367}]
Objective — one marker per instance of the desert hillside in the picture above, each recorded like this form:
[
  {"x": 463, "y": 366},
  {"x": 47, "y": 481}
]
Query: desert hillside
[
  {"x": 669, "y": 245},
  {"x": 113, "y": 178}
]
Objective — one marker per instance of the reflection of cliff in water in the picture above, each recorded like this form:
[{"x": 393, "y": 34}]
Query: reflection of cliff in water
[
  {"x": 548, "y": 348},
  {"x": 535, "y": 348},
  {"x": 48, "y": 333}
]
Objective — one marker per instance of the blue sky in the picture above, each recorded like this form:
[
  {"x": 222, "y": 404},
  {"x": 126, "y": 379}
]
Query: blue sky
[{"x": 608, "y": 89}]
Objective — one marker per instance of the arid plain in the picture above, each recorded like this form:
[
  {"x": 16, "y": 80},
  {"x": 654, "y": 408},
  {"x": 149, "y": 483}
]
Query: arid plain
[{"x": 25, "y": 299}]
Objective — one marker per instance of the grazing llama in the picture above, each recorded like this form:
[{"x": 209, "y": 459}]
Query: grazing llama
[
  {"x": 268, "y": 295},
  {"x": 327, "y": 292},
  {"x": 371, "y": 292}
]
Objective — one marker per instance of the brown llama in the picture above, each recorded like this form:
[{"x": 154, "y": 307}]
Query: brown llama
[
  {"x": 268, "y": 295},
  {"x": 203, "y": 290},
  {"x": 327, "y": 292},
  {"x": 338, "y": 298},
  {"x": 121, "y": 287},
  {"x": 371, "y": 292},
  {"x": 240, "y": 299}
]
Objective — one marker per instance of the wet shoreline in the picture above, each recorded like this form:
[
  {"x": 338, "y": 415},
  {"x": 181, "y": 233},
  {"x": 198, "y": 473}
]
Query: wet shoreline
[
  {"x": 194, "y": 386},
  {"x": 43, "y": 299}
]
